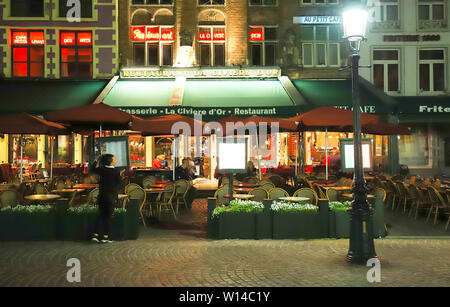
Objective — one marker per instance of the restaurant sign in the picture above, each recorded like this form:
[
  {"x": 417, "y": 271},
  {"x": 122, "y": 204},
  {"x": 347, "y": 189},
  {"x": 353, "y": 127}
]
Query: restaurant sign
[
  {"x": 315, "y": 20},
  {"x": 173, "y": 72},
  {"x": 209, "y": 113}
]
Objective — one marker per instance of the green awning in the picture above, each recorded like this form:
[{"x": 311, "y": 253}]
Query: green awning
[
  {"x": 235, "y": 93},
  {"x": 40, "y": 96},
  {"x": 140, "y": 93},
  {"x": 338, "y": 93},
  {"x": 424, "y": 109}
]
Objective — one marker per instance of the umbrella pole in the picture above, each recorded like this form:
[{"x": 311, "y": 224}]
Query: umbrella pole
[
  {"x": 51, "y": 157},
  {"x": 296, "y": 154},
  {"x": 100, "y": 132},
  {"x": 21, "y": 159},
  {"x": 258, "y": 156},
  {"x": 326, "y": 154},
  {"x": 174, "y": 157}
]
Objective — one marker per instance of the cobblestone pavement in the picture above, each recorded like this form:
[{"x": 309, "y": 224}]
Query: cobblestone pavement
[{"x": 178, "y": 254}]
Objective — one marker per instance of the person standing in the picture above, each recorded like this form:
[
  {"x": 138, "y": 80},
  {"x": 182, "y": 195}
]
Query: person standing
[{"x": 109, "y": 182}]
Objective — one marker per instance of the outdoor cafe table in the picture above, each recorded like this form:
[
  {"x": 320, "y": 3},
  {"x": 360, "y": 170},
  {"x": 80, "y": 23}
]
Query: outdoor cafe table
[
  {"x": 295, "y": 199},
  {"x": 42, "y": 197},
  {"x": 342, "y": 189},
  {"x": 86, "y": 186},
  {"x": 158, "y": 186},
  {"x": 241, "y": 196},
  {"x": 243, "y": 190},
  {"x": 66, "y": 191},
  {"x": 351, "y": 195},
  {"x": 154, "y": 191},
  {"x": 246, "y": 185}
]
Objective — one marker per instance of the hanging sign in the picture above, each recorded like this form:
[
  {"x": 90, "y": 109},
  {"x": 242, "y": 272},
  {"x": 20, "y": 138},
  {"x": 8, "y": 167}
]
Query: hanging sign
[
  {"x": 84, "y": 38},
  {"x": 151, "y": 34},
  {"x": 257, "y": 34},
  {"x": 314, "y": 20},
  {"x": 138, "y": 33},
  {"x": 68, "y": 38},
  {"x": 37, "y": 38},
  {"x": 20, "y": 38}
]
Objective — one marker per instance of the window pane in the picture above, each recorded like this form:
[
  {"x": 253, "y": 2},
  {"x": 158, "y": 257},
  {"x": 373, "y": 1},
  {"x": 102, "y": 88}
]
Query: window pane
[
  {"x": 153, "y": 58},
  {"x": 414, "y": 148},
  {"x": 320, "y": 54},
  {"x": 424, "y": 12},
  {"x": 68, "y": 69},
  {"x": 27, "y": 8},
  {"x": 37, "y": 54},
  {"x": 256, "y": 54},
  {"x": 84, "y": 70},
  {"x": 431, "y": 54},
  {"x": 385, "y": 55},
  {"x": 321, "y": 34},
  {"x": 438, "y": 12},
  {"x": 270, "y": 54},
  {"x": 255, "y": 2},
  {"x": 139, "y": 54},
  {"x": 219, "y": 55},
  {"x": 138, "y": 2},
  {"x": 166, "y": 1},
  {"x": 378, "y": 76},
  {"x": 270, "y": 2},
  {"x": 85, "y": 5},
  {"x": 335, "y": 33},
  {"x": 202, "y": 2},
  {"x": 270, "y": 34},
  {"x": 167, "y": 55},
  {"x": 424, "y": 76},
  {"x": 219, "y": 2},
  {"x": 392, "y": 12},
  {"x": 68, "y": 55},
  {"x": 20, "y": 69},
  {"x": 205, "y": 56},
  {"x": 333, "y": 54},
  {"x": 20, "y": 54},
  {"x": 85, "y": 55},
  {"x": 438, "y": 77},
  {"x": 307, "y": 33},
  {"x": 36, "y": 69},
  {"x": 392, "y": 77},
  {"x": 307, "y": 54}
]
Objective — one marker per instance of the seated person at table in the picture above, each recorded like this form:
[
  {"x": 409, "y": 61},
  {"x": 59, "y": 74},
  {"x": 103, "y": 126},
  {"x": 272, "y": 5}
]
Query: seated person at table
[
  {"x": 42, "y": 172},
  {"x": 157, "y": 163},
  {"x": 251, "y": 172},
  {"x": 183, "y": 171}
]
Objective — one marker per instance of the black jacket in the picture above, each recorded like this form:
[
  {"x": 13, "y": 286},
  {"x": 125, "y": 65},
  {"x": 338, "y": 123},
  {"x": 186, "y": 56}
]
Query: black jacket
[{"x": 109, "y": 180}]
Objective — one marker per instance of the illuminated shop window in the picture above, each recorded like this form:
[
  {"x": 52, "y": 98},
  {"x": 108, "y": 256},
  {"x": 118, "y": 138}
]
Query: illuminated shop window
[
  {"x": 263, "y": 42},
  {"x": 152, "y": 45},
  {"x": 76, "y": 54},
  {"x": 27, "y": 53},
  {"x": 27, "y": 8},
  {"x": 212, "y": 45},
  {"x": 85, "y": 6}
]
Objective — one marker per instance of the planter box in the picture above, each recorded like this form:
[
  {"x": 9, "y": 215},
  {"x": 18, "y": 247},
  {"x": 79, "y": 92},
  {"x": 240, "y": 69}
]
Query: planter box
[
  {"x": 75, "y": 227},
  {"x": 377, "y": 219},
  {"x": 342, "y": 224},
  {"x": 118, "y": 227},
  {"x": 236, "y": 225},
  {"x": 35, "y": 226},
  {"x": 263, "y": 221},
  {"x": 295, "y": 225}
]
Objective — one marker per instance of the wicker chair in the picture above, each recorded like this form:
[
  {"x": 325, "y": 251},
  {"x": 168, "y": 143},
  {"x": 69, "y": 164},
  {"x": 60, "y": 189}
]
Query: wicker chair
[
  {"x": 165, "y": 200},
  {"x": 134, "y": 191},
  {"x": 264, "y": 181},
  {"x": 277, "y": 180},
  {"x": 260, "y": 194},
  {"x": 92, "y": 197},
  {"x": 268, "y": 186},
  {"x": 148, "y": 181},
  {"x": 318, "y": 190},
  {"x": 306, "y": 192},
  {"x": 38, "y": 188},
  {"x": 437, "y": 202},
  {"x": 276, "y": 193},
  {"x": 332, "y": 195},
  {"x": 417, "y": 199},
  {"x": 220, "y": 196},
  {"x": 130, "y": 187},
  {"x": 380, "y": 193},
  {"x": 182, "y": 188},
  {"x": 392, "y": 192},
  {"x": 405, "y": 196},
  {"x": 8, "y": 198},
  {"x": 251, "y": 180}
]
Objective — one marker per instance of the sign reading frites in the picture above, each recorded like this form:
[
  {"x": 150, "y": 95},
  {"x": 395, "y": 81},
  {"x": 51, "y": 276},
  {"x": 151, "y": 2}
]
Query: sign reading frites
[
  {"x": 318, "y": 20},
  {"x": 148, "y": 73}
]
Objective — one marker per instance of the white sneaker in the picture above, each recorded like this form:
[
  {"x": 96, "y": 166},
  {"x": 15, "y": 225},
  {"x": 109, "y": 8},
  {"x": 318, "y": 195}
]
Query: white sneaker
[
  {"x": 106, "y": 241},
  {"x": 94, "y": 239}
]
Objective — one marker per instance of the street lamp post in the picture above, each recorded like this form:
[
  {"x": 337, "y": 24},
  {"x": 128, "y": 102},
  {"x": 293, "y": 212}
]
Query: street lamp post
[{"x": 361, "y": 247}]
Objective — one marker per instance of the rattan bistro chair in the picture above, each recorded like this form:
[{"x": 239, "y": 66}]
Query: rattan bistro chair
[
  {"x": 182, "y": 188},
  {"x": 307, "y": 192},
  {"x": 165, "y": 200},
  {"x": 259, "y": 193},
  {"x": 437, "y": 202},
  {"x": 268, "y": 186},
  {"x": 8, "y": 198},
  {"x": 332, "y": 195},
  {"x": 92, "y": 197},
  {"x": 220, "y": 196},
  {"x": 276, "y": 193},
  {"x": 134, "y": 191},
  {"x": 148, "y": 181}
]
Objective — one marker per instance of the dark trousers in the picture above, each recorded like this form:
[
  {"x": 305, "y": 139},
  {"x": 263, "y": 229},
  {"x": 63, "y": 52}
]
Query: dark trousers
[{"x": 105, "y": 208}]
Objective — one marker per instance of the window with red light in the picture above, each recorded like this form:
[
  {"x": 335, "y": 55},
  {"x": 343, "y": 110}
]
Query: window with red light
[
  {"x": 76, "y": 54},
  {"x": 211, "y": 45},
  {"x": 28, "y": 53}
]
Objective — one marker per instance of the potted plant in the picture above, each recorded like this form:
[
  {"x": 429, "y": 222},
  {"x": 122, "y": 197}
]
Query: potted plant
[
  {"x": 339, "y": 219},
  {"x": 293, "y": 221},
  {"x": 37, "y": 222},
  {"x": 79, "y": 222},
  {"x": 237, "y": 220}
]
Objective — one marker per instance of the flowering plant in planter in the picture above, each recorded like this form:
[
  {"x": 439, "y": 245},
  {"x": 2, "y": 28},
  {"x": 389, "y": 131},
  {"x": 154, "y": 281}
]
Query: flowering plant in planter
[
  {"x": 27, "y": 209},
  {"x": 339, "y": 206},
  {"x": 282, "y": 206},
  {"x": 238, "y": 205}
]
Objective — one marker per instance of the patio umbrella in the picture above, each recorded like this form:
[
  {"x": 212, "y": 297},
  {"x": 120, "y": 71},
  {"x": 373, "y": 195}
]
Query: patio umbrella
[
  {"x": 385, "y": 129},
  {"x": 23, "y": 123},
  {"x": 162, "y": 125},
  {"x": 328, "y": 118}
]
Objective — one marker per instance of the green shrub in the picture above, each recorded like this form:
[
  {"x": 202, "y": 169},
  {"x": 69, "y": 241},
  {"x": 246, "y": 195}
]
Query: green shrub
[
  {"x": 283, "y": 206},
  {"x": 238, "y": 205},
  {"x": 27, "y": 209},
  {"x": 338, "y": 206},
  {"x": 84, "y": 209}
]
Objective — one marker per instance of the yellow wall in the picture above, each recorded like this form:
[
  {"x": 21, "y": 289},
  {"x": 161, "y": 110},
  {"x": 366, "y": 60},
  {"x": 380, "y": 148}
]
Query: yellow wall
[{"x": 148, "y": 151}]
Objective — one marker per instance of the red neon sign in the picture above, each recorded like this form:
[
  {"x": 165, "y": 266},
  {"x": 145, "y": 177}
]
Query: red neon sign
[
  {"x": 152, "y": 33},
  {"x": 85, "y": 38},
  {"x": 204, "y": 36},
  {"x": 219, "y": 36},
  {"x": 138, "y": 33},
  {"x": 167, "y": 34},
  {"x": 257, "y": 34},
  {"x": 20, "y": 38},
  {"x": 37, "y": 38},
  {"x": 68, "y": 38}
]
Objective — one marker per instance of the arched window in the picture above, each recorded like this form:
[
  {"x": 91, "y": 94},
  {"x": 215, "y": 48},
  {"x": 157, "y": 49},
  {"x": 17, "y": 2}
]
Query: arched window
[{"x": 211, "y": 38}]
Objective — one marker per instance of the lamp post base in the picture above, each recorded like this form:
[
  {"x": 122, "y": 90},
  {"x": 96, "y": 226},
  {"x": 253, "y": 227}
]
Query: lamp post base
[{"x": 362, "y": 247}]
